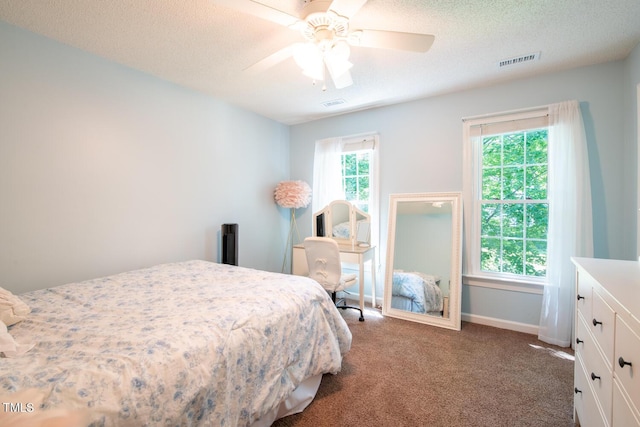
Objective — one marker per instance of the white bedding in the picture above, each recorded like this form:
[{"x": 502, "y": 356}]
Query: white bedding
[
  {"x": 417, "y": 292},
  {"x": 193, "y": 343}
]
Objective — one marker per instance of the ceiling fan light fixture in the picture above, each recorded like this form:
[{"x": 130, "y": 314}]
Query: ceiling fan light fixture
[
  {"x": 309, "y": 58},
  {"x": 340, "y": 50},
  {"x": 337, "y": 67},
  {"x": 316, "y": 23},
  {"x": 312, "y": 57},
  {"x": 337, "y": 59},
  {"x": 314, "y": 73},
  {"x": 306, "y": 54}
]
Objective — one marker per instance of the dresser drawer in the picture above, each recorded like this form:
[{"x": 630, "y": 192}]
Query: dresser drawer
[
  {"x": 623, "y": 415},
  {"x": 600, "y": 377},
  {"x": 584, "y": 403},
  {"x": 584, "y": 340},
  {"x": 583, "y": 294},
  {"x": 603, "y": 326},
  {"x": 628, "y": 351}
]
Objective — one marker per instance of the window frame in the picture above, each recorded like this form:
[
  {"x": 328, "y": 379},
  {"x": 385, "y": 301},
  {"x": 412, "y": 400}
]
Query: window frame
[{"x": 474, "y": 130}]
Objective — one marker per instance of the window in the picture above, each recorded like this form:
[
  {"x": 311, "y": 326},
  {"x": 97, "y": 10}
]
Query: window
[
  {"x": 355, "y": 177},
  {"x": 509, "y": 206},
  {"x": 346, "y": 169},
  {"x": 514, "y": 210}
]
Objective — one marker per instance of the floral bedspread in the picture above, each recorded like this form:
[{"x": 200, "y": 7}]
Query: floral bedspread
[
  {"x": 421, "y": 289},
  {"x": 193, "y": 343}
]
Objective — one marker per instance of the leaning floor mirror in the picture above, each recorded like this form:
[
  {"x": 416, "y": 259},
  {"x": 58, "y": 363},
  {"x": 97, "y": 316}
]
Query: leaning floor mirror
[{"x": 424, "y": 258}]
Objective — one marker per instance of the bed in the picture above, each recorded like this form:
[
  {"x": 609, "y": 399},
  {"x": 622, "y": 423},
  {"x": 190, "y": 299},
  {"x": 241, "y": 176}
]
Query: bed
[
  {"x": 416, "y": 292},
  {"x": 191, "y": 343}
]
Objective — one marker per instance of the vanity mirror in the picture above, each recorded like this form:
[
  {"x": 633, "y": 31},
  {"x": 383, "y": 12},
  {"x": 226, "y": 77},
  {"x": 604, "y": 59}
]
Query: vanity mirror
[
  {"x": 344, "y": 222},
  {"x": 424, "y": 265}
]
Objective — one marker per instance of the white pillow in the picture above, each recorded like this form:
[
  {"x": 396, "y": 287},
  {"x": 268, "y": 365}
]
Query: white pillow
[{"x": 12, "y": 308}]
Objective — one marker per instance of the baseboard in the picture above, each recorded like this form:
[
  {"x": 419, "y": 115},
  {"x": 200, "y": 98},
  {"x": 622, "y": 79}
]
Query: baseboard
[
  {"x": 500, "y": 323},
  {"x": 471, "y": 318}
]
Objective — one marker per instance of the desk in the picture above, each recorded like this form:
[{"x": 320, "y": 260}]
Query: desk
[{"x": 349, "y": 254}]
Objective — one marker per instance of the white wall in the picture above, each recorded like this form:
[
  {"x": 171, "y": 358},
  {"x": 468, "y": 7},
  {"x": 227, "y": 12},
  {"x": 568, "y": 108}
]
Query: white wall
[
  {"x": 105, "y": 169},
  {"x": 421, "y": 151}
]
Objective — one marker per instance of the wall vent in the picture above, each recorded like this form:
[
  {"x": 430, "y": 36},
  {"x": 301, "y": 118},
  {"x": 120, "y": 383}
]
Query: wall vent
[
  {"x": 334, "y": 102},
  {"x": 519, "y": 59}
]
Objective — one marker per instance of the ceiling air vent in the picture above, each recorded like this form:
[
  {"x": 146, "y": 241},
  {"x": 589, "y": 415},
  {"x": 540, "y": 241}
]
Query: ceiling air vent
[
  {"x": 334, "y": 102},
  {"x": 519, "y": 59}
]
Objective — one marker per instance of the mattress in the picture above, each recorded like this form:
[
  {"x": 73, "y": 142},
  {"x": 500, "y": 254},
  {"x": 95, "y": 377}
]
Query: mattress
[{"x": 192, "y": 343}]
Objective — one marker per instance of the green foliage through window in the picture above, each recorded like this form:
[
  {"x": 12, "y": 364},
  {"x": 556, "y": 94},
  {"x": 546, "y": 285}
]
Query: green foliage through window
[
  {"x": 514, "y": 208},
  {"x": 355, "y": 178}
]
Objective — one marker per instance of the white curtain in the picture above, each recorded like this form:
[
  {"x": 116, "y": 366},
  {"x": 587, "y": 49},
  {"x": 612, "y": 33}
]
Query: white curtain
[
  {"x": 570, "y": 220},
  {"x": 470, "y": 264},
  {"x": 374, "y": 195},
  {"x": 326, "y": 173}
]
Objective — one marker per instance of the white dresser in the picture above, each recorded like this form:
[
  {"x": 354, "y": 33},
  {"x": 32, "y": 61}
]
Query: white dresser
[{"x": 607, "y": 331}]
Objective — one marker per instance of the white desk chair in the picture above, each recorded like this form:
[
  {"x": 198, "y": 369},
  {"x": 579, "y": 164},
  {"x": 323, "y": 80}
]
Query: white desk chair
[{"x": 323, "y": 260}]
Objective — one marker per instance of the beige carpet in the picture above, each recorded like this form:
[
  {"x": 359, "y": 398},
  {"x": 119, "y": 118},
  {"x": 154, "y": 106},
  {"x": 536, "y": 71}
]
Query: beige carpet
[{"x": 401, "y": 373}]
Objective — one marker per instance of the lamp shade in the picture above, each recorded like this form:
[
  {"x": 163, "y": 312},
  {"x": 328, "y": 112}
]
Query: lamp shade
[{"x": 293, "y": 194}]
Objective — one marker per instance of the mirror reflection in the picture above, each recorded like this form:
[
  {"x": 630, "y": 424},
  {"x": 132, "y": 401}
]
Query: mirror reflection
[
  {"x": 341, "y": 220},
  {"x": 423, "y": 259}
]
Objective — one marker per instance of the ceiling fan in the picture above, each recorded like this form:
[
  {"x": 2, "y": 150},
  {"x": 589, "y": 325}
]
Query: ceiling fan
[{"x": 324, "y": 26}]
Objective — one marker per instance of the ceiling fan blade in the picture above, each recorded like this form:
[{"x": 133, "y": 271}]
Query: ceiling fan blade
[
  {"x": 271, "y": 60},
  {"x": 393, "y": 40},
  {"x": 260, "y": 10},
  {"x": 347, "y": 8}
]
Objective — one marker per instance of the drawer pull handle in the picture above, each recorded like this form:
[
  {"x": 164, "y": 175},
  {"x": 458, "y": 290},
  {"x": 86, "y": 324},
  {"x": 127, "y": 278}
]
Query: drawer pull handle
[
  {"x": 594, "y": 376},
  {"x": 623, "y": 362},
  {"x": 580, "y": 297},
  {"x": 596, "y": 323},
  {"x": 576, "y": 390},
  {"x": 578, "y": 341}
]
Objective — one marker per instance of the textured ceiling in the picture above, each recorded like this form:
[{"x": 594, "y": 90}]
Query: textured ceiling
[{"x": 206, "y": 44}]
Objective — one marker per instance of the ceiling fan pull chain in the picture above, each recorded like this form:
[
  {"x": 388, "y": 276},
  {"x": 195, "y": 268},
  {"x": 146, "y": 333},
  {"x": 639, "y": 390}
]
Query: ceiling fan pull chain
[{"x": 324, "y": 75}]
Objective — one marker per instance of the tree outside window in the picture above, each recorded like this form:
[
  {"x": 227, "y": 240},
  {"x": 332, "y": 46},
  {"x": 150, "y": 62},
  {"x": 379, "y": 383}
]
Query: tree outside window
[
  {"x": 514, "y": 209},
  {"x": 356, "y": 178}
]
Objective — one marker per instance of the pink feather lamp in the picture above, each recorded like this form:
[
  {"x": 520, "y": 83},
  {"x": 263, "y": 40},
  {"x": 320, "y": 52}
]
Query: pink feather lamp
[{"x": 292, "y": 195}]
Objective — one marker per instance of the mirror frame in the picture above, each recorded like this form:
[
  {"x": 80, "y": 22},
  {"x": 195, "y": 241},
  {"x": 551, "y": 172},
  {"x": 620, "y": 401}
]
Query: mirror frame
[{"x": 455, "y": 287}]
